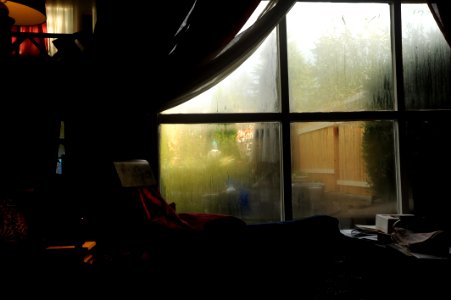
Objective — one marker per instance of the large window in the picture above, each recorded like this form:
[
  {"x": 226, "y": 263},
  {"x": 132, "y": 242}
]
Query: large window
[{"x": 316, "y": 121}]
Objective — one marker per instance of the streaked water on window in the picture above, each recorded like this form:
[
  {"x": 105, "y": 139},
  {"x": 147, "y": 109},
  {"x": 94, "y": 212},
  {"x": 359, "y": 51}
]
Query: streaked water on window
[
  {"x": 343, "y": 169},
  {"x": 222, "y": 168},
  {"x": 426, "y": 60},
  {"x": 339, "y": 57}
]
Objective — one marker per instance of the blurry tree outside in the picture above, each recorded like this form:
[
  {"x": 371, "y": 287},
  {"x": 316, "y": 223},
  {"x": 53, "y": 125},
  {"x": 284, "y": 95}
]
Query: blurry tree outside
[{"x": 345, "y": 70}]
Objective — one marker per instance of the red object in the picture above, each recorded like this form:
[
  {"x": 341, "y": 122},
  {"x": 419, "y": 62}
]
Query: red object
[{"x": 160, "y": 212}]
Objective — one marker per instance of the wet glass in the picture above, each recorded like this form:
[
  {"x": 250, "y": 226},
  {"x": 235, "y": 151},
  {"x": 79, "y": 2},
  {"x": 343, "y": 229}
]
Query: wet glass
[
  {"x": 339, "y": 57},
  {"x": 343, "y": 169},
  {"x": 232, "y": 168}
]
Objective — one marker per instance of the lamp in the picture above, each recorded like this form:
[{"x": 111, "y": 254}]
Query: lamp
[{"x": 26, "y": 12}]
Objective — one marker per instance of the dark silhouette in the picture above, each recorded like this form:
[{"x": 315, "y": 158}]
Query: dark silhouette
[{"x": 6, "y": 23}]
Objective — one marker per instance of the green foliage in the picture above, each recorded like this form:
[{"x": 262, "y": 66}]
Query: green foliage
[
  {"x": 427, "y": 74},
  {"x": 378, "y": 153},
  {"x": 303, "y": 85},
  {"x": 225, "y": 137},
  {"x": 195, "y": 174}
]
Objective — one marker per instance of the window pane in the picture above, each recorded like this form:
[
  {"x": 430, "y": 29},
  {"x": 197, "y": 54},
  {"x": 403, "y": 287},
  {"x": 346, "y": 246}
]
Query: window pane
[
  {"x": 426, "y": 58},
  {"x": 339, "y": 57},
  {"x": 343, "y": 169},
  {"x": 252, "y": 87},
  {"x": 222, "y": 168}
]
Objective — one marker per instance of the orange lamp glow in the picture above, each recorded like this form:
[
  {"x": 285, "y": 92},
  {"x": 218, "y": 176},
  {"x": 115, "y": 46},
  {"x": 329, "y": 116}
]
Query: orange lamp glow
[{"x": 26, "y": 12}]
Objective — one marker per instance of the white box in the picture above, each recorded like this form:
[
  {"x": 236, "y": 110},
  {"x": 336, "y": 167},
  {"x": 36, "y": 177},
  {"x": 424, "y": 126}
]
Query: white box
[{"x": 384, "y": 222}]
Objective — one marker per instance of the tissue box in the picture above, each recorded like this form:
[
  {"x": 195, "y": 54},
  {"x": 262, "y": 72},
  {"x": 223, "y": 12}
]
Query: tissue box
[{"x": 384, "y": 222}]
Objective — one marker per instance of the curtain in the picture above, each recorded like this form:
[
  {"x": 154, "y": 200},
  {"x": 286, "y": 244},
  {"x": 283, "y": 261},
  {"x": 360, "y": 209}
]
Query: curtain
[
  {"x": 63, "y": 16},
  {"x": 193, "y": 45},
  {"x": 213, "y": 69},
  {"x": 6, "y": 23},
  {"x": 69, "y": 16},
  {"x": 29, "y": 47},
  {"x": 441, "y": 10}
]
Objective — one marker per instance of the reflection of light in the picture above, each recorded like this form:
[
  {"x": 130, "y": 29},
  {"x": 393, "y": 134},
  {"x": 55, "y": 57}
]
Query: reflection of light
[
  {"x": 25, "y": 12},
  {"x": 60, "y": 20},
  {"x": 415, "y": 15},
  {"x": 59, "y": 166},
  {"x": 255, "y": 15},
  {"x": 245, "y": 135},
  {"x": 213, "y": 153},
  {"x": 230, "y": 189}
]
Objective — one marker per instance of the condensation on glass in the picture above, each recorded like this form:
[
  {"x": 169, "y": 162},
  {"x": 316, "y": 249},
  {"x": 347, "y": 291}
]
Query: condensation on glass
[
  {"x": 426, "y": 60},
  {"x": 343, "y": 169},
  {"x": 251, "y": 88},
  {"x": 229, "y": 168},
  {"x": 340, "y": 61}
]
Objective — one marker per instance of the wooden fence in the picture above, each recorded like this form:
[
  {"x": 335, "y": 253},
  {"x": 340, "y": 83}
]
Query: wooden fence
[{"x": 331, "y": 153}]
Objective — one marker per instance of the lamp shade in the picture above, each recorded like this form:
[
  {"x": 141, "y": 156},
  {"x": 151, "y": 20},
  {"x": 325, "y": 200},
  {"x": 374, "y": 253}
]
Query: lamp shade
[{"x": 27, "y": 12}]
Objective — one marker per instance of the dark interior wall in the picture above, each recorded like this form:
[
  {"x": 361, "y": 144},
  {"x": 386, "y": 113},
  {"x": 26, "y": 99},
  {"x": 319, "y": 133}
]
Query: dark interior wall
[
  {"x": 28, "y": 148},
  {"x": 28, "y": 152},
  {"x": 63, "y": 207},
  {"x": 429, "y": 165},
  {"x": 94, "y": 142},
  {"x": 99, "y": 138},
  {"x": 154, "y": 22},
  {"x": 130, "y": 50}
]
